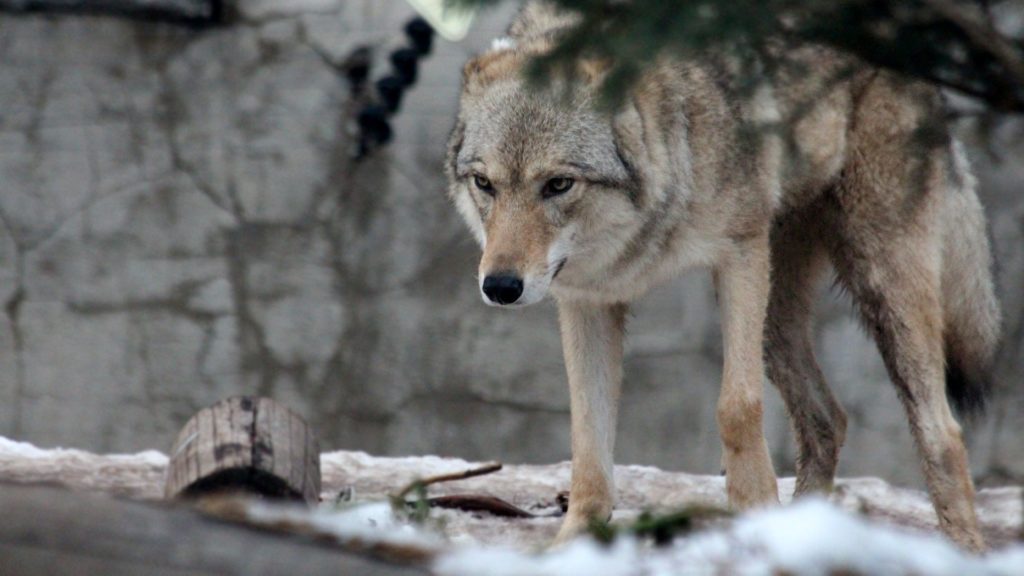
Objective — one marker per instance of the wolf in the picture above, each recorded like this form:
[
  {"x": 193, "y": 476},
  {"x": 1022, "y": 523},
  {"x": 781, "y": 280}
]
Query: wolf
[{"x": 826, "y": 162}]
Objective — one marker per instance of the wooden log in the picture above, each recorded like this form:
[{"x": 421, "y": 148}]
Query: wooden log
[
  {"x": 51, "y": 530},
  {"x": 183, "y": 11},
  {"x": 245, "y": 444}
]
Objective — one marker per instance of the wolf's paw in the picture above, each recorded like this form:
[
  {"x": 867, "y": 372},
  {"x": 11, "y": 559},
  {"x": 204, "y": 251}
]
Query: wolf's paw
[
  {"x": 579, "y": 521},
  {"x": 573, "y": 526}
]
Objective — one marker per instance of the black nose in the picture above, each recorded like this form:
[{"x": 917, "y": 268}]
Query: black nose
[{"x": 503, "y": 288}]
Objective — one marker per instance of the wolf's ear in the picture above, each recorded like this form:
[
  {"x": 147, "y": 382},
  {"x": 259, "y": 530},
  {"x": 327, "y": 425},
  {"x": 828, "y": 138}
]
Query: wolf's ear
[
  {"x": 455, "y": 140},
  {"x": 488, "y": 67},
  {"x": 631, "y": 151},
  {"x": 473, "y": 77},
  {"x": 651, "y": 135},
  {"x": 472, "y": 67}
]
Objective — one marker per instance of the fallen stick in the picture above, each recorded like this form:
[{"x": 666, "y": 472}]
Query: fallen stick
[
  {"x": 422, "y": 483},
  {"x": 484, "y": 503}
]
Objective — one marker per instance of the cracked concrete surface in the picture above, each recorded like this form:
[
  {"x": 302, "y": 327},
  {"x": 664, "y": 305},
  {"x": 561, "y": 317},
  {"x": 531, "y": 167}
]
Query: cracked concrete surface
[{"x": 179, "y": 222}]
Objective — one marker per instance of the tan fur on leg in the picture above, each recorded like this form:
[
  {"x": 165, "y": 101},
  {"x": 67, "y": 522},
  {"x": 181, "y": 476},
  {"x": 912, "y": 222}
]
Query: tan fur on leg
[
  {"x": 592, "y": 342},
  {"x": 889, "y": 210},
  {"x": 743, "y": 283},
  {"x": 905, "y": 316}
]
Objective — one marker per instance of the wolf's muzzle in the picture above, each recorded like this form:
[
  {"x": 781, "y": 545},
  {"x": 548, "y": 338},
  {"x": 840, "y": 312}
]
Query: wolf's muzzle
[{"x": 503, "y": 288}]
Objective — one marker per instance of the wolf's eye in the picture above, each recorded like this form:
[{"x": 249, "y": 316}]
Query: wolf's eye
[
  {"x": 483, "y": 184},
  {"x": 557, "y": 186}
]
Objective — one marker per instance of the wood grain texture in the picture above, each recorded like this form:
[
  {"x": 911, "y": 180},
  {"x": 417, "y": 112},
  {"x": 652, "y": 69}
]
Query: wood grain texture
[
  {"x": 186, "y": 11},
  {"x": 243, "y": 443},
  {"x": 50, "y": 530}
]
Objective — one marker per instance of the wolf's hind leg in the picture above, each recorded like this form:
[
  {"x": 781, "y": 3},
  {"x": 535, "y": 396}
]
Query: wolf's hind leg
[
  {"x": 899, "y": 299},
  {"x": 888, "y": 253},
  {"x": 798, "y": 261}
]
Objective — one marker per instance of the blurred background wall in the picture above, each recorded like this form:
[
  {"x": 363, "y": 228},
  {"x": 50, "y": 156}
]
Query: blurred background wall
[{"x": 179, "y": 223}]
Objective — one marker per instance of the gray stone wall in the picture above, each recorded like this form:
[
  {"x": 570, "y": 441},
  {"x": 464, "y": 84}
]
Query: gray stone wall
[{"x": 179, "y": 222}]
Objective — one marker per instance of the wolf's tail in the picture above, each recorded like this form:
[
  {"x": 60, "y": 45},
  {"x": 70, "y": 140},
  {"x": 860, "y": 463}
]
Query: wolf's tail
[{"x": 971, "y": 311}]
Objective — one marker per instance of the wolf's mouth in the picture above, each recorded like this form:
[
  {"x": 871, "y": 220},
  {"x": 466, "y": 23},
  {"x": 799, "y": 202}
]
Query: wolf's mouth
[{"x": 558, "y": 267}]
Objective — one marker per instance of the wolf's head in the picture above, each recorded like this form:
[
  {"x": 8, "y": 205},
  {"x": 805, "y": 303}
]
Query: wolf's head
[{"x": 545, "y": 180}]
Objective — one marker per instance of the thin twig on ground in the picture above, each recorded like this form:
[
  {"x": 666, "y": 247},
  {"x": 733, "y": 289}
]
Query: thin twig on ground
[
  {"x": 421, "y": 507},
  {"x": 488, "y": 468}
]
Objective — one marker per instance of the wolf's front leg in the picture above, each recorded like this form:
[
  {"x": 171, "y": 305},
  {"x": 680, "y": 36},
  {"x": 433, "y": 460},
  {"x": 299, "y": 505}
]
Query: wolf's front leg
[
  {"x": 743, "y": 283},
  {"x": 592, "y": 343}
]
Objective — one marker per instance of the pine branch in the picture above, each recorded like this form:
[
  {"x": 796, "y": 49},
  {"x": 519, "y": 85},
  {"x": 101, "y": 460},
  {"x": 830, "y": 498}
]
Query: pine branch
[{"x": 950, "y": 43}]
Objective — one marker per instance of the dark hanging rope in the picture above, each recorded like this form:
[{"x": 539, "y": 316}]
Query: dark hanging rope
[{"x": 374, "y": 126}]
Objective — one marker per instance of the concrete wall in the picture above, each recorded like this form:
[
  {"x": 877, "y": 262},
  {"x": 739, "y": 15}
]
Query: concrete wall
[{"x": 178, "y": 223}]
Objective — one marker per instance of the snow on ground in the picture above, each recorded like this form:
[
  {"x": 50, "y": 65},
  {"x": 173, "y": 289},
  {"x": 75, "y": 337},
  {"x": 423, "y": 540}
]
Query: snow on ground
[
  {"x": 138, "y": 475},
  {"x": 866, "y": 527},
  {"x": 639, "y": 488},
  {"x": 370, "y": 522},
  {"x": 811, "y": 537}
]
